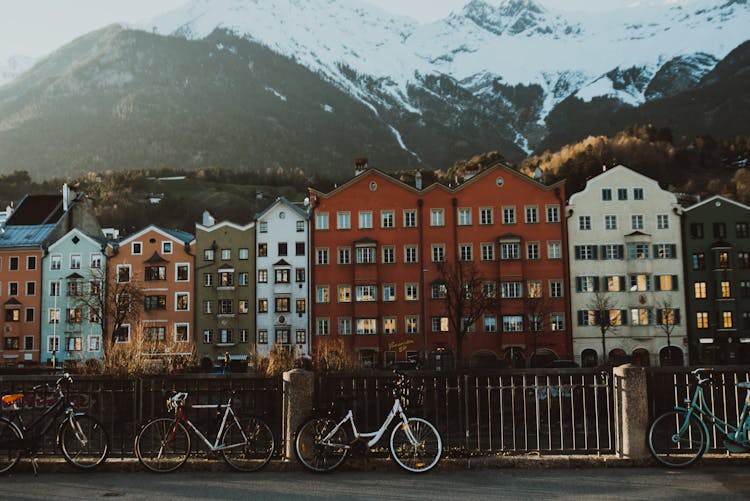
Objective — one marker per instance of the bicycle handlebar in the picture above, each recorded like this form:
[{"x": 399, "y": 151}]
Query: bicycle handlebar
[
  {"x": 698, "y": 375},
  {"x": 177, "y": 400}
]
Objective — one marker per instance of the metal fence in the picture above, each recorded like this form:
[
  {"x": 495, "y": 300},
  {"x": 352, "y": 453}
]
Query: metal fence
[
  {"x": 545, "y": 411},
  {"x": 123, "y": 405},
  {"x": 670, "y": 386}
]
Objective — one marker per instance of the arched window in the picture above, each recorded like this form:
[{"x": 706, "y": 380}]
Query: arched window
[{"x": 589, "y": 358}]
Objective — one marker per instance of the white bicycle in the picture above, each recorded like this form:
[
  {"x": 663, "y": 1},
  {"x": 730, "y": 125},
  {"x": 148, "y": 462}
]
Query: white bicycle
[{"x": 322, "y": 444}]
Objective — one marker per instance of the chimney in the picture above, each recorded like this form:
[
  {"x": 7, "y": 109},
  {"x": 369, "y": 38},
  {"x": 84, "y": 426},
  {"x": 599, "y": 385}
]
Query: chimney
[
  {"x": 258, "y": 195},
  {"x": 66, "y": 196},
  {"x": 418, "y": 180},
  {"x": 470, "y": 171},
  {"x": 360, "y": 165},
  {"x": 538, "y": 174},
  {"x": 208, "y": 219}
]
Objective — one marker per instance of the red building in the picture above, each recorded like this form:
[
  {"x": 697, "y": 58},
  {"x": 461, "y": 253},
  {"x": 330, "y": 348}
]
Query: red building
[{"x": 383, "y": 249}]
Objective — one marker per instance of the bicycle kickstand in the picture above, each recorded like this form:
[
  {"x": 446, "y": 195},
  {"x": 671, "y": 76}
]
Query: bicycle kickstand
[{"x": 35, "y": 465}]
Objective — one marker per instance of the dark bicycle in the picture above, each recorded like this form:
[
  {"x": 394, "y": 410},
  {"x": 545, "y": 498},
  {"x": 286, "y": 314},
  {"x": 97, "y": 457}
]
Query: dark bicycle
[{"x": 82, "y": 438}]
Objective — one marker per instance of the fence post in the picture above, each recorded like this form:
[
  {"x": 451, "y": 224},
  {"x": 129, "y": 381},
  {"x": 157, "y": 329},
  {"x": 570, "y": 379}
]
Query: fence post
[
  {"x": 631, "y": 411},
  {"x": 299, "y": 389}
]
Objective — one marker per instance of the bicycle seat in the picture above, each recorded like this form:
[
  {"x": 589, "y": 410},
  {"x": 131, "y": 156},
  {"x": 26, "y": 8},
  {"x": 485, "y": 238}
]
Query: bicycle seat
[
  {"x": 9, "y": 399},
  {"x": 744, "y": 384}
]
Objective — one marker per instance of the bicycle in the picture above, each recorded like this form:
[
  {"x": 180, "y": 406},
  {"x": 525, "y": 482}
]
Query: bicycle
[
  {"x": 678, "y": 438},
  {"x": 322, "y": 443},
  {"x": 163, "y": 444},
  {"x": 81, "y": 437}
]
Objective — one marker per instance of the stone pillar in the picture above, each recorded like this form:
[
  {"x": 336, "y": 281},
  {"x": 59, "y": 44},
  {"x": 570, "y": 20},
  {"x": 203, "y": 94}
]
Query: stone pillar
[
  {"x": 631, "y": 411},
  {"x": 299, "y": 390}
]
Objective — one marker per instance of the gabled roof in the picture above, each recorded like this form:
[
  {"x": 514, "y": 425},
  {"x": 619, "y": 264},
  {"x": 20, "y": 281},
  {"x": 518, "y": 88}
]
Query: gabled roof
[
  {"x": 24, "y": 235},
  {"x": 155, "y": 258},
  {"x": 74, "y": 276},
  {"x": 75, "y": 232},
  {"x": 284, "y": 201},
  {"x": 181, "y": 236},
  {"x": 282, "y": 262},
  {"x": 12, "y": 302},
  {"x": 37, "y": 209},
  {"x": 716, "y": 198},
  {"x": 224, "y": 224}
]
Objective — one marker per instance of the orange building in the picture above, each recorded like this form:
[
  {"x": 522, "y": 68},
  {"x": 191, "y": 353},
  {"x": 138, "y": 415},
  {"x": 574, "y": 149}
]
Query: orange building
[
  {"x": 153, "y": 269},
  {"x": 381, "y": 254}
]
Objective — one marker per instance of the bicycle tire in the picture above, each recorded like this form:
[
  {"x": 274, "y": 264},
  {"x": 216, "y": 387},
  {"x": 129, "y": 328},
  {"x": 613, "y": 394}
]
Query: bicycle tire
[
  {"x": 258, "y": 444},
  {"x": 163, "y": 445},
  {"x": 314, "y": 455},
  {"x": 422, "y": 455},
  {"x": 10, "y": 445},
  {"x": 674, "y": 449},
  {"x": 84, "y": 441}
]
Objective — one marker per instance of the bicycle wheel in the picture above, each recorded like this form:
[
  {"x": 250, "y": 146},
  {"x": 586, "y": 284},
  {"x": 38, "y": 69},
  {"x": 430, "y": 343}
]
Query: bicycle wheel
[
  {"x": 256, "y": 444},
  {"x": 675, "y": 443},
  {"x": 163, "y": 445},
  {"x": 10, "y": 445},
  {"x": 420, "y": 454},
  {"x": 316, "y": 456},
  {"x": 83, "y": 441}
]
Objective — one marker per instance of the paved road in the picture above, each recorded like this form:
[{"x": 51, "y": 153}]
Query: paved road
[{"x": 724, "y": 483}]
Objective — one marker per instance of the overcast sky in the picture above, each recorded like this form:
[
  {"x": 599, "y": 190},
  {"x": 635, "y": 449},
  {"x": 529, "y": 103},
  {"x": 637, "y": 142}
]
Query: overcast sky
[{"x": 37, "y": 27}]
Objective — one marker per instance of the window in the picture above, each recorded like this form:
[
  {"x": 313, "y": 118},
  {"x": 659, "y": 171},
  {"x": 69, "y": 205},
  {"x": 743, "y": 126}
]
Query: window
[
  {"x": 584, "y": 223},
  {"x": 410, "y": 254},
  {"x": 300, "y": 306},
  {"x": 366, "y": 293},
  {"x": 12, "y": 288},
  {"x": 411, "y": 292},
  {"x": 31, "y": 289},
  {"x": 321, "y": 221},
  {"x": 367, "y": 326},
  {"x": 208, "y": 255},
  {"x": 262, "y": 276},
  {"x": 699, "y": 289},
  {"x": 166, "y": 247},
  {"x": 553, "y": 213},
  {"x": 365, "y": 220},
  {"x": 412, "y": 324},
  {"x": 55, "y": 261},
  {"x": 123, "y": 273},
  {"x": 699, "y": 261},
  {"x": 534, "y": 288},
  {"x": 637, "y": 193},
  {"x": 486, "y": 216},
  {"x": 437, "y": 217},
  {"x": 321, "y": 294},
  {"x": 182, "y": 301},
  {"x": 262, "y": 336},
  {"x": 554, "y": 249},
  {"x": 299, "y": 275},
  {"x": 344, "y": 255},
  {"x": 637, "y": 251},
  {"x": 720, "y": 230},
  {"x": 263, "y": 227},
  {"x": 532, "y": 250},
  {"x": 727, "y": 321},
  {"x": 208, "y": 306},
  {"x": 555, "y": 288},
  {"x": 585, "y": 252},
  {"x": 722, "y": 259},
  {"x": 300, "y": 336},
  {"x": 155, "y": 333},
  {"x": 587, "y": 284},
  {"x": 226, "y": 306},
  {"x": 640, "y": 316},
  {"x": 207, "y": 336},
  {"x": 263, "y": 305},
  {"x": 743, "y": 259},
  {"x": 489, "y": 324},
  {"x": 557, "y": 321},
  {"x": 155, "y": 273},
  {"x": 606, "y": 193},
  {"x": 226, "y": 254},
  {"x": 122, "y": 334},
  {"x": 487, "y": 251},
  {"x": 464, "y": 216},
  {"x": 410, "y": 218},
  {"x": 282, "y": 305},
  {"x": 323, "y": 327},
  {"x": 28, "y": 315},
  {"x": 282, "y": 249},
  {"x": 263, "y": 249},
  {"x": 510, "y": 251},
  {"x": 725, "y": 289},
  {"x": 365, "y": 255},
  {"x": 662, "y": 221},
  {"x": 612, "y": 251},
  {"x": 321, "y": 255},
  {"x": 388, "y": 255},
  {"x": 53, "y": 344},
  {"x": 389, "y": 325},
  {"x": 438, "y": 290},
  {"x": 387, "y": 219},
  {"x": 343, "y": 220},
  {"x": 665, "y": 251},
  {"x": 696, "y": 230},
  {"x": 157, "y": 303},
  {"x": 439, "y": 324},
  {"x": 622, "y": 193},
  {"x": 610, "y": 222},
  {"x": 31, "y": 262},
  {"x": 744, "y": 288},
  {"x": 511, "y": 289},
  {"x": 465, "y": 252},
  {"x": 282, "y": 275},
  {"x": 512, "y": 323},
  {"x": 243, "y": 253},
  {"x": 95, "y": 261},
  {"x": 94, "y": 343},
  {"x": 742, "y": 230},
  {"x": 636, "y": 222},
  {"x": 75, "y": 343},
  {"x": 54, "y": 288},
  {"x": 181, "y": 333},
  {"x": 640, "y": 282},
  {"x": 438, "y": 253},
  {"x": 666, "y": 282},
  {"x": 389, "y": 292},
  {"x": 182, "y": 272},
  {"x": 136, "y": 248},
  {"x": 509, "y": 215},
  {"x": 531, "y": 214},
  {"x": 345, "y": 294}
]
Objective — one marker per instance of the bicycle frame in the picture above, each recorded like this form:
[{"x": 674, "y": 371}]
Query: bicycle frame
[
  {"x": 699, "y": 408},
  {"x": 51, "y": 415},
  {"x": 373, "y": 436},
  {"x": 216, "y": 446}
]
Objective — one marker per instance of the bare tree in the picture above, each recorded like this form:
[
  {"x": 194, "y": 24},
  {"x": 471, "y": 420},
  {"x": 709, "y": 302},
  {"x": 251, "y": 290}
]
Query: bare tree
[
  {"x": 466, "y": 298},
  {"x": 667, "y": 318},
  {"x": 537, "y": 308},
  {"x": 605, "y": 315}
]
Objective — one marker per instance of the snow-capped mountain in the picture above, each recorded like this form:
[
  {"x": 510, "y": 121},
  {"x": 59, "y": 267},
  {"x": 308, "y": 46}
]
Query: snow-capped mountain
[{"x": 381, "y": 59}]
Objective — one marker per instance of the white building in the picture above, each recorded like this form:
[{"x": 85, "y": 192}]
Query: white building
[
  {"x": 624, "y": 236},
  {"x": 282, "y": 281}
]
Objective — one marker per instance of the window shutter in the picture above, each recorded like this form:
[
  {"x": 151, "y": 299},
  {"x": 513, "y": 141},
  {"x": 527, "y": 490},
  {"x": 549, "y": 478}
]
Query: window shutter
[
  {"x": 578, "y": 284},
  {"x": 624, "y": 317},
  {"x": 677, "y": 316},
  {"x": 657, "y": 285},
  {"x": 580, "y": 317},
  {"x": 578, "y": 251},
  {"x": 675, "y": 286},
  {"x": 595, "y": 253},
  {"x": 673, "y": 251},
  {"x": 596, "y": 284}
]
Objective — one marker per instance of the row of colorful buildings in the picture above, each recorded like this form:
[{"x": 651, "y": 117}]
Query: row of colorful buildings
[{"x": 497, "y": 269}]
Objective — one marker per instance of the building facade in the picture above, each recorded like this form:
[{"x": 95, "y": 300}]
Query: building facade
[
  {"x": 626, "y": 261},
  {"x": 225, "y": 292},
  {"x": 717, "y": 281},
  {"x": 73, "y": 277},
  {"x": 385, "y": 251},
  {"x": 150, "y": 277},
  {"x": 282, "y": 287}
]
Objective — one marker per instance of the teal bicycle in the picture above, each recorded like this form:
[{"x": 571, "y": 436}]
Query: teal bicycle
[{"x": 678, "y": 438}]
